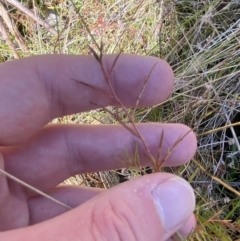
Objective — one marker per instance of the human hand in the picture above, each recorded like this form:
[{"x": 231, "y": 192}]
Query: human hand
[{"x": 35, "y": 90}]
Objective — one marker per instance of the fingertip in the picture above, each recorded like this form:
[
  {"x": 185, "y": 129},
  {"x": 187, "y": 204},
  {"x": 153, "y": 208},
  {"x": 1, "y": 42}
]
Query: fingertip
[
  {"x": 178, "y": 146},
  {"x": 135, "y": 75},
  {"x": 188, "y": 143},
  {"x": 181, "y": 142},
  {"x": 165, "y": 196},
  {"x": 161, "y": 80}
]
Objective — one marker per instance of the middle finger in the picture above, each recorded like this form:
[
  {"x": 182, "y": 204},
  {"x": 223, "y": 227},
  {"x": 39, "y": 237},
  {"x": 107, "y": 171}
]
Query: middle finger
[{"x": 60, "y": 151}]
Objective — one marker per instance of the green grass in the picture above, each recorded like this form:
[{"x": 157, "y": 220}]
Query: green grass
[{"x": 200, "y": 40}]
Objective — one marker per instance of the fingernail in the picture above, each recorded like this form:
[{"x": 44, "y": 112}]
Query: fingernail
[{"x": 175, "y": 202}]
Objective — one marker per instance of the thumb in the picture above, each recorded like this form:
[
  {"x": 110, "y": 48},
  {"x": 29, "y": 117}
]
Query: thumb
[{"x": 152, "y": 207}]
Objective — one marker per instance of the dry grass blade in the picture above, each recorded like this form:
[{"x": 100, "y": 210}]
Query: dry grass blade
[
  {"x": 219, "y": 129},
  {"x": 129, "y": 21},
  {"x": 28, "y": 12},
  {"x": 217, "y": 179},
  {"x": 34, "y": 189},
  {"x": 86, "y": 27},
  {"x": 14, "y": 31},
  {"x": 4, "y": 32},
  {"x": 132, "y": 161}
]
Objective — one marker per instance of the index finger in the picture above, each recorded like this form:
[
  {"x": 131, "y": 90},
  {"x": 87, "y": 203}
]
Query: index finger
[{"x": 37, "y": 89}]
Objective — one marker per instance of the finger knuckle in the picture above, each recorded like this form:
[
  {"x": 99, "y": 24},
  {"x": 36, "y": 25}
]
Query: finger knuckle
[{"x": 115, "y": 222}]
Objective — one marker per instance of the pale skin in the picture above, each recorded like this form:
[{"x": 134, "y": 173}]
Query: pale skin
[{"x": 35, "y": 90}]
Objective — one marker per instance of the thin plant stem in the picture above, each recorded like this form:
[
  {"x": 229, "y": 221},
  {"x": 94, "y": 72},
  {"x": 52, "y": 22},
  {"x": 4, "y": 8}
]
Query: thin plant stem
[
  {"x": 28, "y": 12},
  {"x": 157, "y": 163},
  {"x": 34, "y": 189}
]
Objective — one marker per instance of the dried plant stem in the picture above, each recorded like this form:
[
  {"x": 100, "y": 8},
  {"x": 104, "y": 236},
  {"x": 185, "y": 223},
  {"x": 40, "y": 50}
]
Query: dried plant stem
[
  {"x": 219, "y": 129},
  {"x": 4, "y": 32},
  {"x": 156, "y": 162},
  {"x": 95, "y": 87},
  {"x": 180, "y": 138},
  {"x": 34, "y": 189},
  {"x": 143, "y": 88},
  {"x": 135, "y": 131},
  {"x": 130, "y": 20},
  {"x": 86, "y": 26},
  {"x": 107, "y": 76},
  {"x": 14, "y": 31},
  {"x": 158, "y": 166},
  {"x": 217, "y": 179},
  {"x": 28, "y": 12}
]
